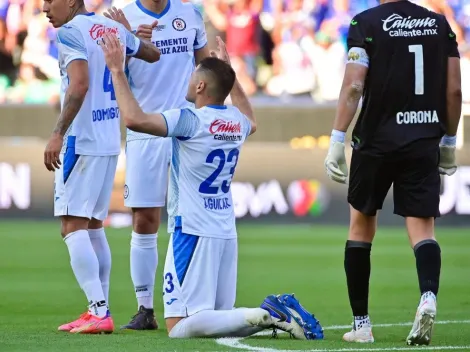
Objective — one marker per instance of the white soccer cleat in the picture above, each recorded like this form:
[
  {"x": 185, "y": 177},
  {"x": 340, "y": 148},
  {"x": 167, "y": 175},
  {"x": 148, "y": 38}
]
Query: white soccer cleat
[
  {"x": 421, "y": 332},
  {"x": 361, "y": 335}
]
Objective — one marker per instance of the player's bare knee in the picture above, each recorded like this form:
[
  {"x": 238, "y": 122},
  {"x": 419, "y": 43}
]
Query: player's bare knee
[
  {"x": 420, "y": 229},
  {"x": 71, "y": 224},
  {"x": 362, "y": 227},
  {"x": 146, "y": 220},
  {"x": 95, "y": 224}
]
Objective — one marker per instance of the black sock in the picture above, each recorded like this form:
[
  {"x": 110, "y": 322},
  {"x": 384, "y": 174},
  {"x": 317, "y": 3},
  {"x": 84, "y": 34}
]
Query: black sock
[
  {"x": 357, "y": 267},
  {"x": 428, "y": 264}
]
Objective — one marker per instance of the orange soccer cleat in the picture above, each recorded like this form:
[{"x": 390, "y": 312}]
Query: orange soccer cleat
[
  {"x": 69, "y": 326},
  {"x": 95, "y": 325}
]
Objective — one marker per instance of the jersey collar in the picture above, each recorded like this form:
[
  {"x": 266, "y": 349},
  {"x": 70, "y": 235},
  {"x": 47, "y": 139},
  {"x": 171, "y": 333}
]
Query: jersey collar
[
  {"x": 154, "y": 14},
  {"x": 87, "y": 14},
  {"x": 218, "y": 107}
]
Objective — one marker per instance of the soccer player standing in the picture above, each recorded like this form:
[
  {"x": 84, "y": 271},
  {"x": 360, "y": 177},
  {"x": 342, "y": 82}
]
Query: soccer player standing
[
  {"x": 200, "y": 272},
  {"x": 180, "y": 35},
  {"x": 403, "y": 60},
  {"x": 86, "y": 142}
]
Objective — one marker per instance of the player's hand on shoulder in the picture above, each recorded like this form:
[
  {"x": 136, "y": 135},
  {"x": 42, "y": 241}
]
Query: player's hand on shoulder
[
  {"x": 335, "y": 161},
  {"x": 221, "y": 53},
  {"x": 118, "y": 16},
  {"x": 447, "y": 163},
  {"x": 113, "y": 52},
  {"x": 144, "y": 31},
  {"x": 52, "y": 152}
]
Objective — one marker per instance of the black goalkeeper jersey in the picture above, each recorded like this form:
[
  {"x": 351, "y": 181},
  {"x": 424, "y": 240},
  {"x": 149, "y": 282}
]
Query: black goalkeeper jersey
[{"x": 405, "y": 90}]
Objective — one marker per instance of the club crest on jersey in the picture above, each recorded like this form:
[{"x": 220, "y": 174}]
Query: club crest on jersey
[
  {"x": 226, "y": 130},
  {"x": 179, "y": 24},
  {"x": 126, "y": 191},
  {"x": 98, "y": 30}
]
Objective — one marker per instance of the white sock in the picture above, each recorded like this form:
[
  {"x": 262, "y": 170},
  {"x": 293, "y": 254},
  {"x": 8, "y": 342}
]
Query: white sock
[
  {"x": 103, "y": 253},
  {"x": 144, "y": 261},
  {"x": 217, "y": 323},
  {"x": 361, "y": 322},
  {"x": 86, "y": 269}
]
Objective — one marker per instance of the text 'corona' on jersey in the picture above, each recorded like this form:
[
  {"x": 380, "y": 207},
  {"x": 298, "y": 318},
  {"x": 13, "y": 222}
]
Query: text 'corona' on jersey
[
  {"x": 226, "y": 130},
  {"x": 399, "y": 26},
  {"x": 417, "y": 117}
]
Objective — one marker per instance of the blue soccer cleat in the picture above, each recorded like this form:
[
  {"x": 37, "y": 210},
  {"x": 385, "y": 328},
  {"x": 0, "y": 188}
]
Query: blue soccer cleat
[{"x": 288, "y": 315}]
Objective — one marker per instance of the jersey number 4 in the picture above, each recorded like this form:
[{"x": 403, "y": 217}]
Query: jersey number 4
[
  {"x": 108, "y": 83},
  {"x": 214, "y": 156},
  {"x": 419, "y": 68}
]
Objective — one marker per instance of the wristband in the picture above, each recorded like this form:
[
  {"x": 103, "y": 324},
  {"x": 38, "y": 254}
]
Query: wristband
[
  {"x": 337, "y": 136},
  {"x": 449, "y": 141}
]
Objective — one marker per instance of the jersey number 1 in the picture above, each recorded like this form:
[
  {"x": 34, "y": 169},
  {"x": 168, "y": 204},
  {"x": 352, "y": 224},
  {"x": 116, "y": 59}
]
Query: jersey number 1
[
  {"x": 108, "y": 83},
  {"x": 419, "y": 68}
]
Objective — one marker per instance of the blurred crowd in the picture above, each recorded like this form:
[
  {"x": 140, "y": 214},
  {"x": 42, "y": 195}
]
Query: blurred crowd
[{"x": 278, "y": 47}]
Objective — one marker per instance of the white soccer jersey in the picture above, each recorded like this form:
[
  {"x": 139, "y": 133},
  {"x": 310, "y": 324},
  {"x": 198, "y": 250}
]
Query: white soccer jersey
[
  {"x": 162, "y": 86},
  {"x": 206, "y": 147},
  {"x": 96, "y": 126}
]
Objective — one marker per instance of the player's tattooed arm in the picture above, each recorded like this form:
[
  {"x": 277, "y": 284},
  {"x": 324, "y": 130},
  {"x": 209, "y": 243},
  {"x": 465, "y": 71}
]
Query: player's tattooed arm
[
  {"x": 77, "y": 72},
  {"x": 350, "y": 95},
  {"x": 148, "y": 52}
]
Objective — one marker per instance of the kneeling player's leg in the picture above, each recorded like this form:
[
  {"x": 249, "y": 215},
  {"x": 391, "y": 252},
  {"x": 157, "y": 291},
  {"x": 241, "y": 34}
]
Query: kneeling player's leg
[
  {"x": 190, "y": 307},
  {"x": 368, "y": 186},
  {"x": 416, "y": 196}
]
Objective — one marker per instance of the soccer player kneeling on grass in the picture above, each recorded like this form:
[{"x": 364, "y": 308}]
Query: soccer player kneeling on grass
[
  {"x": 403, "y": 60},
  {"x": 201, "y": 264}
]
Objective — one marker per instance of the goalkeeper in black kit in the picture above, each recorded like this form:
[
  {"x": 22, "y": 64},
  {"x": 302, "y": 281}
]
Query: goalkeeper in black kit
[{"x": 403, "y": 61}]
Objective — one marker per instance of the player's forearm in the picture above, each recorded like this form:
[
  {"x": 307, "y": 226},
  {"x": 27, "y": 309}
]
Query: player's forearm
[
  {"x": 347, "y": 106},
  {"x": 240, "y": 100},
  {"x": 148, "y": 52},
  {"x": 73, "y": 101},
  {"x": 129, "y": 108},
  {"x": 454, "y": 111}
]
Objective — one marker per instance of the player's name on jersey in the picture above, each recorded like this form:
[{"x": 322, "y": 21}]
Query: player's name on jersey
[
  {"x": 172, "y": 46},
  {"x": 399, "y": 26},
  {"x": 415, "y": 117}
]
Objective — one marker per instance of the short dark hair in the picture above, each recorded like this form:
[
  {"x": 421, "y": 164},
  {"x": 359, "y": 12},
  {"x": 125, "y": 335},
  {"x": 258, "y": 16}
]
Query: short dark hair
[{"x": 221, "y": 73}]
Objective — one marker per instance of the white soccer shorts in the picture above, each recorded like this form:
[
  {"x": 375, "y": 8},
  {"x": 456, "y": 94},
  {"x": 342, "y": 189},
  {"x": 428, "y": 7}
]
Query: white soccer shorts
[
  {"x": 200, "y": 274},
  {"x": 83, "y": 185},
  {"x": 147, "y": 162}
]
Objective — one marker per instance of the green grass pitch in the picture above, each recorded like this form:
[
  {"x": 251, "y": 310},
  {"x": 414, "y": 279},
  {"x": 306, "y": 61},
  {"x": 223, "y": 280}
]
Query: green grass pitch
[{"x": 38, "y": 291}]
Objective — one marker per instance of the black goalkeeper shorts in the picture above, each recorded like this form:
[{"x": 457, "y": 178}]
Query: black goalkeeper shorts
[{"x": 413, "y": 172}]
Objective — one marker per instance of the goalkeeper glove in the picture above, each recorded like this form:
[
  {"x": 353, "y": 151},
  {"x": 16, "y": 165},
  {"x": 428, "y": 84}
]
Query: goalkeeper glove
[
  {"x": 335, "y": 162},
  {"x": 447, "y": 164}
]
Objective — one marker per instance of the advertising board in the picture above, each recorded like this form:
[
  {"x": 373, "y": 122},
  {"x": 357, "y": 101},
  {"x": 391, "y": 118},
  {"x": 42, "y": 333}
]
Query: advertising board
[{"x": 273, "y": 183}]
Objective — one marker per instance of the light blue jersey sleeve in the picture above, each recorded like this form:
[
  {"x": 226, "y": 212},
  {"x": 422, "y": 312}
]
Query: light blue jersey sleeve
[
  {"x": 181, "y": 123},
  {"x": 71, "y": 45},
  {"x": 201, "y": 38},
  {"x": 132, "y": 43},
  {"x": 246, "y": 126}
]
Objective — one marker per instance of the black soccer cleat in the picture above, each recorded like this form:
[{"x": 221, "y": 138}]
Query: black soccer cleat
[{"x": 143, "y": 320}]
